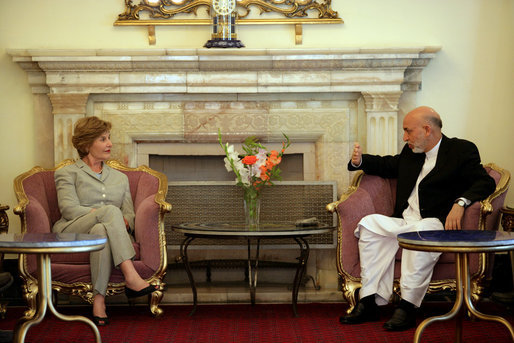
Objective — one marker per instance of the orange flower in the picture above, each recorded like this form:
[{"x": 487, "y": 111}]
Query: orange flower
[
  {"x": 249, "y": 160},
  {"x": 257, "y": 184},
  {"x": 275, "y": 159}
]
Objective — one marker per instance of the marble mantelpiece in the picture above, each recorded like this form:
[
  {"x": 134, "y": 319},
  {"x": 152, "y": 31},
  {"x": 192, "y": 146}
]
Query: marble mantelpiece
[{"x": 193, "y": 85}]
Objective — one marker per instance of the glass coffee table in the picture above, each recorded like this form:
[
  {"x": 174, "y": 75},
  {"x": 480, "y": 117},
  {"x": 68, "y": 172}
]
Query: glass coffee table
[
  {"x": 192, "y": 231},
  {"x": 460, "y": 242}
]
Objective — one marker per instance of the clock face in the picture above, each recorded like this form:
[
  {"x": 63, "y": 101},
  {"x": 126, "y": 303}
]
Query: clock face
[{"x": 223, "y": 7}]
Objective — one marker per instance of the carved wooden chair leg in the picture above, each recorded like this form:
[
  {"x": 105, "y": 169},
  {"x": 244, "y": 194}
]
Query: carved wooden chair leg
[{"x": 155, "y": 300}]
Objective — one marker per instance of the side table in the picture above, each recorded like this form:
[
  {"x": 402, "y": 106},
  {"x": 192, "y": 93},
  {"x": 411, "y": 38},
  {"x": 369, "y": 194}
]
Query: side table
[
  {"x": 507, "y": 222},
  {"x": 4, "y": 228},
  {"x": 460, "y": 242},
  {"x": 508, "y": 225},
  {"x": 43, "y": 245}
]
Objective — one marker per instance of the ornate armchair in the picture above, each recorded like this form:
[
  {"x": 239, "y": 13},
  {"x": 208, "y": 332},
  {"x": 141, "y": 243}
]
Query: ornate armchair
[
  {"x": 38, "y": 211},
  {"x": 372, "y": 194}
]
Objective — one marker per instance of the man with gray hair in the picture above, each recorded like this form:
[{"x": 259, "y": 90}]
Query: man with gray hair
[{"x": 438, "y": 177}]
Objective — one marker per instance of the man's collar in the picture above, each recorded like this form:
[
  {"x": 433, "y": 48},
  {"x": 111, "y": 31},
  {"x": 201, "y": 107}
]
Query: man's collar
[{"x": 433, "y": 152}]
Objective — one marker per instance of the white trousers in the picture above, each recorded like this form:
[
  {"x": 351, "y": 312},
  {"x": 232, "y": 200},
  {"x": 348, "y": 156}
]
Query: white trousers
[{"x": 377, "y": 250}]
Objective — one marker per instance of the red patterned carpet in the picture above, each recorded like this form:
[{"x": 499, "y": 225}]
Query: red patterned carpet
[{"x": 259, "y": 323}]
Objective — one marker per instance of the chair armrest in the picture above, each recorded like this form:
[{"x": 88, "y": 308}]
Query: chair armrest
[
  {"x": 367, "y": 195},
  {"x": 149, "y": 231},
  {"x": 349, "y": 213},
  {"x": 489, "y": 215},
  {"x": 351, "y": 189},
  {"x": 34, "y": 217},
  {"x": 146, "y": 231}
]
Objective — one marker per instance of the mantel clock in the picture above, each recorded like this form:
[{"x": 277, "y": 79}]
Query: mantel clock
[{"x": 224, "y": 35}]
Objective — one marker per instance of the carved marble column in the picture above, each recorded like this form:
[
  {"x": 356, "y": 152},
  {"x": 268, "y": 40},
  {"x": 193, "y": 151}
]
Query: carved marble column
[
  {"x": 382, "y": 122},
  {"x": 67, "y": 109}
]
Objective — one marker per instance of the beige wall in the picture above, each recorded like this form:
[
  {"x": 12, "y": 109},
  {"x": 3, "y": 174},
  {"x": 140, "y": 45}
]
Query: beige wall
[{"x": 470, "y": 82}]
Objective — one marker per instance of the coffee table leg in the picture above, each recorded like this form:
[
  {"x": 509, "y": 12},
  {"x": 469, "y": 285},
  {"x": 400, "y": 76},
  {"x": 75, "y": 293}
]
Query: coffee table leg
[
  {"x": 185, "y": 260},
  {"x": 455, "y": 309},
  {"x": 252, "y": 271},
  {"x": 44, "y": 298},
  {"x": 300, "y": 271}
]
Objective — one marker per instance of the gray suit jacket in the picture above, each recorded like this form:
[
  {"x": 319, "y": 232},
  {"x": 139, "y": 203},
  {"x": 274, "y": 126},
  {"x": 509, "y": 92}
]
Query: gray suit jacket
[{"x": 79, "y": 190}]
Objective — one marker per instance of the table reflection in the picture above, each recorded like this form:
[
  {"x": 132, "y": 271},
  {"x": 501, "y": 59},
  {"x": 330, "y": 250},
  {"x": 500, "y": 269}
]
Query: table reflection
[
  {"x": 459, "y": 237},
  {"x": 35, "y": 239}
]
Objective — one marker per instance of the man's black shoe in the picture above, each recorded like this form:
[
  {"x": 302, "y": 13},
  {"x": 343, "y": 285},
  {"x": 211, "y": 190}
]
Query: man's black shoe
[
  {"x": 401, "y": 320},
  {"x": 361, "y": 314}
]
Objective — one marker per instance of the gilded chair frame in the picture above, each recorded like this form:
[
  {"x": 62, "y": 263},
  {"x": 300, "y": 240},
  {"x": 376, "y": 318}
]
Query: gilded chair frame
[
  {"x": 350, "y": 284},
  {"x": 83, "y": 289}
]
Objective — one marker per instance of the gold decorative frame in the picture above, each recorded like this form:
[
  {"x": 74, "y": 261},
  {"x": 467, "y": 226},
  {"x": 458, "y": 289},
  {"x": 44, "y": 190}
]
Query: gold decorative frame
[
  {"x": 82, "y": 289},
  {"x": 350, "y": 284},
  {"x": 291, "y": 12}
]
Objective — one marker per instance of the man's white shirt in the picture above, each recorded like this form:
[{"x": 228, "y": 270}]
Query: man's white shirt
[{"x": 412, "y": 213}]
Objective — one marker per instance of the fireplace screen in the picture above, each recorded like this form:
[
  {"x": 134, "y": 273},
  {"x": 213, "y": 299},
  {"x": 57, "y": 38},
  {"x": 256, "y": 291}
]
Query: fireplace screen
[{"x": 287, "y": 201}]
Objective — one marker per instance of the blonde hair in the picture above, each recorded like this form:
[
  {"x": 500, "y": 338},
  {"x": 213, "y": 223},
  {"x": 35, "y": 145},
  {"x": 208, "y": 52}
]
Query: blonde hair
[{"x": 86, "y": 130}]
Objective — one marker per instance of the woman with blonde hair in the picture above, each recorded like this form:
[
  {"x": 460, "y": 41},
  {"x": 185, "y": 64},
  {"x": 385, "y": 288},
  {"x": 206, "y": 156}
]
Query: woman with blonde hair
[{"x": 94, "y": 198}]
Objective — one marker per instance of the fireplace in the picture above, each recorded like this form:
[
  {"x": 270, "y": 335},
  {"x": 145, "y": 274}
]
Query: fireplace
[{"x": 173, "y": 102}]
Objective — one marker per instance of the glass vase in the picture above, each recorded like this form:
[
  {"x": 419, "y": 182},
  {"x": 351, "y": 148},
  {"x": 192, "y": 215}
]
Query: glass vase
[{"x": 252, "y": 207}]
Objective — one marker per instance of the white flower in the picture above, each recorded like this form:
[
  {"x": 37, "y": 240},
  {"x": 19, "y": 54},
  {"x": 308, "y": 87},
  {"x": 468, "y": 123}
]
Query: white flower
[
  {"x": 243, "y": 172},
  {"x": 232, "y": 154},
  {"x": 261, "y": 160},
  {"x": 227, "y": 164},
  {"x": 239, "y": 166}
]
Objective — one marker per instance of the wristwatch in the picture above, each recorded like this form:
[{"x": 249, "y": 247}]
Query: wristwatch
[{"x": 461, "y": 203}]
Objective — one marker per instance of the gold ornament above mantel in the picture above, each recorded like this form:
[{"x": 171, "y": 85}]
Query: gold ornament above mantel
[{"x": 276, "y": 12}]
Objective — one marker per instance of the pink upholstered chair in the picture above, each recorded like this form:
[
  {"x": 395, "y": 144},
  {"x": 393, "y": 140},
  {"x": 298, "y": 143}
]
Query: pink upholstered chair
[
  {"x": 38, "y": 211},
  {"x": 372, "y": 194}
]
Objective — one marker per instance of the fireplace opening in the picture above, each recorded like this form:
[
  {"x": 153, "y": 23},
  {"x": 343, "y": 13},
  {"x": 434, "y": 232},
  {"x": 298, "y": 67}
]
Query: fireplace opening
[{"x": 212, "y": 167}]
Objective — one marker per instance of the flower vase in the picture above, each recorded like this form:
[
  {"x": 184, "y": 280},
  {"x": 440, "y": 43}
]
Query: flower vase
[{"x": 252, "y": 207}]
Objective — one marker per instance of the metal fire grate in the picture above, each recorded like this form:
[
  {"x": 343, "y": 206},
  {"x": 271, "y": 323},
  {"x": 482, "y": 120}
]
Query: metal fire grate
[{"x": 286, "y": 201}]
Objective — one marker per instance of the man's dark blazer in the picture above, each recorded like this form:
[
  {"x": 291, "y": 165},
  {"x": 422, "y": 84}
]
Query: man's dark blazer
[{"x": 458, "y": 172}]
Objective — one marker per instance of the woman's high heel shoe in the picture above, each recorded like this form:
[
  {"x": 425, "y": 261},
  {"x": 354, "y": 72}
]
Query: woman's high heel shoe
[
  {"x": 130, "y": 293},
  {"x": 100, "y": 321}
]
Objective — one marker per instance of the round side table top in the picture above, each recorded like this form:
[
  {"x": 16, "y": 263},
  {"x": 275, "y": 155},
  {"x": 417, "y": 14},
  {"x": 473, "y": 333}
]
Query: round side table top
[
  {"x": 459, "y": 240},
  {"x": 50, "y": 242}
]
